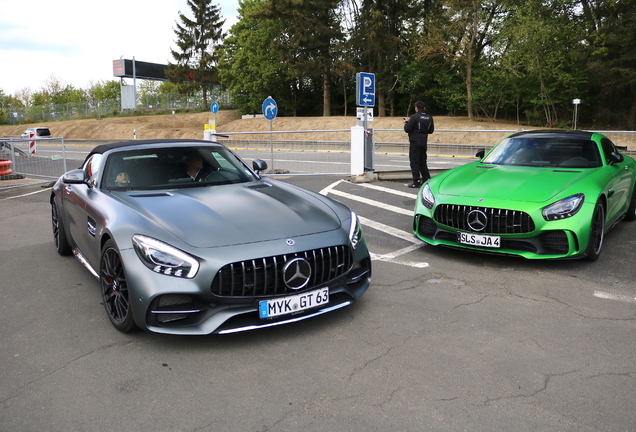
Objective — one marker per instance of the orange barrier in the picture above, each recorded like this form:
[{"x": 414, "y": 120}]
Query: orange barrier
[{"x": 5, "y": 167}]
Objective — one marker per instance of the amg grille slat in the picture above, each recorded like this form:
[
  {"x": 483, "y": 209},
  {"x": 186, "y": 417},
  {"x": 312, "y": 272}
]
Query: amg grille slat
[
  {"x": 500, "y": 221},
  {"x": 263, "y": 276}
]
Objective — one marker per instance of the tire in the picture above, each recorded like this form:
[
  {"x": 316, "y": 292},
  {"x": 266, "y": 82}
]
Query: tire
[
  {"x": 597, "y": 233},
  {"x": 631, "y": 211},
  {"x": 115, "y": 289},
  {"x": 62, "y": 245}
]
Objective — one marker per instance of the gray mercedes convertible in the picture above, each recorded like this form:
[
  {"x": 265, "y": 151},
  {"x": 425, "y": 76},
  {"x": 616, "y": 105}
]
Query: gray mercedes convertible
[{"x": 186, "y": 238}]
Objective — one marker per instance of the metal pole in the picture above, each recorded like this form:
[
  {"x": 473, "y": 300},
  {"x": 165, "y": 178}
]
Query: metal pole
[
  {"x": 271, "y": 145},
  {"x": 135, "y": 80}
]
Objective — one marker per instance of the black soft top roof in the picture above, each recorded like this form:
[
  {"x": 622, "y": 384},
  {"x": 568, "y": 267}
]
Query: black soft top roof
[
  {"x": 103, "y": 148},
  {"x": 555, "y": 133}
]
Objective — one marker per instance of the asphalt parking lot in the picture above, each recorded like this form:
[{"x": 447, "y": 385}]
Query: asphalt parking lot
[{"x": 442, "y": 341}]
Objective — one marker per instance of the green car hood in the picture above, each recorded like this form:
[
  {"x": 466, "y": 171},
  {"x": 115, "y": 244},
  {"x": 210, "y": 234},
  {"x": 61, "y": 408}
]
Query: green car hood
[
  {"x": 528, "y": 184},
  {"x": 235, "y": 214}
]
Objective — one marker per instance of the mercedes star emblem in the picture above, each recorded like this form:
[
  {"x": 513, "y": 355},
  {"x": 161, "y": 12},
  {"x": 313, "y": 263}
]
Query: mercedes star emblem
[
  {"x": 296, "y": 273},
  {"x": 477, "y": 220}
]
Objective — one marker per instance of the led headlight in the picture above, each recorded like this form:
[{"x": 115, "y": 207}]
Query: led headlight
[
  {"x": 355, "y": 231},
  {"x": 563, "y": 209},
  {"x": 428, "y": 200},
  {"x": 163, "y": 258}
]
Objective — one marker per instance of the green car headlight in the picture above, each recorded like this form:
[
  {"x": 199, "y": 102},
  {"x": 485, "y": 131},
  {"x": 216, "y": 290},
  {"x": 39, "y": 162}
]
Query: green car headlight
[
  {"x": 428, "y": 200},
  {"x": 355, "y": 231},
  {"x": 563, "y": 209},
  {"x": 163, "y": 258}
]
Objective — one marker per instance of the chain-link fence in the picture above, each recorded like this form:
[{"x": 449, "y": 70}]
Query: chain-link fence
[{"x": 111, "y": 107}]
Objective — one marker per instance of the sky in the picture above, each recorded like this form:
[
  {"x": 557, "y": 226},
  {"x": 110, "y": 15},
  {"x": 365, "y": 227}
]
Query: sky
[{"x": 76, "y": 41}]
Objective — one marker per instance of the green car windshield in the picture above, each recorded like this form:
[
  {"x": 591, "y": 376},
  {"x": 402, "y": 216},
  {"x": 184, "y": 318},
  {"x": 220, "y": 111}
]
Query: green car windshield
[
  {"x": 178, "y": 167},
  {"x": 545, "y": 152}
]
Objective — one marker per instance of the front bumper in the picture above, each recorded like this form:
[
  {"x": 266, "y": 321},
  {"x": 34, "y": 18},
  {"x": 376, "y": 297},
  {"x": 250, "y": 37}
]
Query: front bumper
[
  {"x": 169, "y": 305},
  {"x": 562, "y": 239}
]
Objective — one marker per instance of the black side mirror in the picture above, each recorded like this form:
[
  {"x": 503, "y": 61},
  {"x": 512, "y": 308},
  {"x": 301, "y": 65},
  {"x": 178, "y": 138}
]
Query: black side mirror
[
  {"x": 480, "y": 153},
  {"x": 616, "y": 157},
  {"x": 259, "y": 165}
]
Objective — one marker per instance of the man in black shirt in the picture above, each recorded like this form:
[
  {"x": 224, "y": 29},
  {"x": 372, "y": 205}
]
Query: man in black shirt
[{"x": 418, "y": 126}]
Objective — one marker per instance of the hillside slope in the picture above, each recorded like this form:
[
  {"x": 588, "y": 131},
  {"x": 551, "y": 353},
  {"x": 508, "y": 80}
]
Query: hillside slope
[{"x": 450, "y": 130}]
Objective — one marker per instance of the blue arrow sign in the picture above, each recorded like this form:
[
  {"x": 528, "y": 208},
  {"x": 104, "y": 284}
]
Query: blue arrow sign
[
  {"x": 365, "y": 89},
  {"x": 214, "y": 107},
  {"x": 269, "y": 108}
]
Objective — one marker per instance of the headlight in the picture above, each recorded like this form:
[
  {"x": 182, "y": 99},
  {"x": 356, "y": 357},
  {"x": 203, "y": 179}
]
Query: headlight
[
  {"x": 163, "y": 258},
  {"x": 565, "y": 208},
  {"x": 355, "y": 231},
  {"x": 427, "y": 197}
]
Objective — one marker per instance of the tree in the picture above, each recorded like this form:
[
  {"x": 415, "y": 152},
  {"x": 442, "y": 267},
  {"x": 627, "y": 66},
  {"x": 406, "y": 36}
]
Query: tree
[
  {"x": 249, "y": 66},
  {"x": 310, "y": 29},
  {"x": 379, "y": 40},
  {"x": 195, "y": 56}
]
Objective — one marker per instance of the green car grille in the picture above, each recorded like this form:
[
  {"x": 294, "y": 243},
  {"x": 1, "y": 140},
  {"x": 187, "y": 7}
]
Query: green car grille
[
  {"x": 497, "y": 221},
  {"x": 264, "y": 276}
]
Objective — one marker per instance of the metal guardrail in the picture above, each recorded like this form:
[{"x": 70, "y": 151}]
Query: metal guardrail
[
  {"x": 288, "y": 156},
  {"x": 29, "y": 168}
]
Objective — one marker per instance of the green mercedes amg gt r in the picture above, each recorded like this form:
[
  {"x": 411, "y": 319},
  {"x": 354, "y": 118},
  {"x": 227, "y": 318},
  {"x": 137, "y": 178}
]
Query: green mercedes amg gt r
[{"x": 537, "y": 194}]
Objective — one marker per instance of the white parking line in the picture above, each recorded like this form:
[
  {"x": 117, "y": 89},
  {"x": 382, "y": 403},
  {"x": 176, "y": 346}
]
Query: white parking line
[
  {"x": 390, "y": 230},
  {"x": 389, "y": 190},
  {"x": 372, "y": 202},
  {"x": 389, "y": 257},
  {"x": 616, "y": 297}
]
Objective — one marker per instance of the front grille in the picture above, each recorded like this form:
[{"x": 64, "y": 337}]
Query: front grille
[
  {"x": 500, "y": 221},
  {"x": 264, "y": 276}
]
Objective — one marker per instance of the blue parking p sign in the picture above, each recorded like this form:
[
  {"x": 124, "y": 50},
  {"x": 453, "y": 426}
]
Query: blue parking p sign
[{"x": 365, "y": 89}]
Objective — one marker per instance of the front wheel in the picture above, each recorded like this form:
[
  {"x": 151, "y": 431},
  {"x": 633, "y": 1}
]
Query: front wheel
[
  {"x": 62, "y": 244},
  {"x": 115, "y": 289},
  {"x": 597, "y": 233}
]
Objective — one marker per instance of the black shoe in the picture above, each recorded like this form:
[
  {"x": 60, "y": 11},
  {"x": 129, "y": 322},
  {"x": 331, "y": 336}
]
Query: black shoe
[{"x": 413, "y": 185}]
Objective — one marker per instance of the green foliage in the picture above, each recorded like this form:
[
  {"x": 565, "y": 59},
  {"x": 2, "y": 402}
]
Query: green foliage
[
  {"x": 248, "y": 64},
  {"x": 494, "y": 59},
  {"x": 195, "y": 56}
]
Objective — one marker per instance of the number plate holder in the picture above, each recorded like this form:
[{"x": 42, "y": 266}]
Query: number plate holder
[{"x": 293, "y": 304}]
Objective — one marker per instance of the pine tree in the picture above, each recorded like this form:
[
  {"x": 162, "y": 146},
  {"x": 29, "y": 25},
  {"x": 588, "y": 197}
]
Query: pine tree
[{"x": 195, "y": 57}]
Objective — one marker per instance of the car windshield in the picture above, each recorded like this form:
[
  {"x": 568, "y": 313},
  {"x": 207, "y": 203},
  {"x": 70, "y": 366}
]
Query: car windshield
[
  {"x": 551, "y": 151},
  {"x": 169, "y": 168}
]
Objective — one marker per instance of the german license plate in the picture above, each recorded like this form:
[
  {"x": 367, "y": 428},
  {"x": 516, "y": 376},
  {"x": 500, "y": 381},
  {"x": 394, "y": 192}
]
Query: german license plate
[
  {"x": 478, "y": 240},
  {"x": 293, "y": 304}
]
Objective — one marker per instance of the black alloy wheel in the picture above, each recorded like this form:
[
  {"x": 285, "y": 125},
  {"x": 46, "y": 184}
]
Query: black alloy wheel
[
  {"x": 597, "y": 233},
  {"x": 62, "y": 244},
  {"x": 115, "y": 289}
]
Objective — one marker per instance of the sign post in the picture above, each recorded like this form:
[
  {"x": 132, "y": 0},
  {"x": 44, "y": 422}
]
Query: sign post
[
  {"x": 365, "y": 97},
  {"x": 576, "y": 103},
  {"x": 270, "y": 109}
]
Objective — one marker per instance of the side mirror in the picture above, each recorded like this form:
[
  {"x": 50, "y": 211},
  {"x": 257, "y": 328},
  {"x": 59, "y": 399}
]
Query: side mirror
[
  {"x": 616, "y": 157},
  {"x": 480, "y": 153},
  {"x": 74, "y": 177},
  {"x": 259, "y": 165}
]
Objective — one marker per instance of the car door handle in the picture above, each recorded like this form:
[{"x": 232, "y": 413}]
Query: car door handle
[{"x": 68, "y": 189}]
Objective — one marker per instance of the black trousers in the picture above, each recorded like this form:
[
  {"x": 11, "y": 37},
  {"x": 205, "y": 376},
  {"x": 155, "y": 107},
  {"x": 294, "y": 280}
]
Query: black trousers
[{"x": 417, "y": 159}]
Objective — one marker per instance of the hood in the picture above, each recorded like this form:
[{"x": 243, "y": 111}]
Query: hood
[
  {"x": 528, "y": 184},
  {"x": 234, "y": 214}
]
